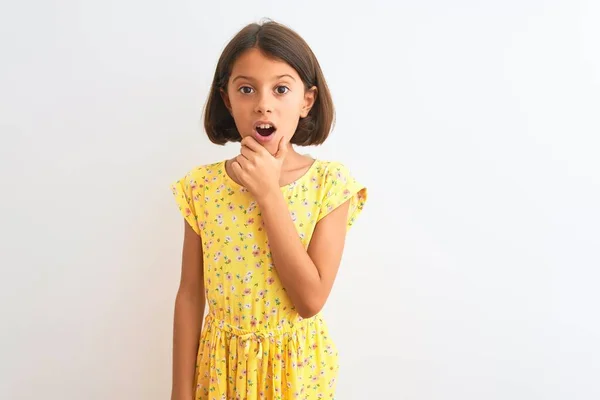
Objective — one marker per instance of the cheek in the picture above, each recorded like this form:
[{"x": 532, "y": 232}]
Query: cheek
[{"x": 291, "y": 109}]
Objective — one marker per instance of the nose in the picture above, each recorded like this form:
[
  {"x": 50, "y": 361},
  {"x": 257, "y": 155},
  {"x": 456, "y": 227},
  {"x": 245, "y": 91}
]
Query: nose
[{"x": 264, "y": 104}]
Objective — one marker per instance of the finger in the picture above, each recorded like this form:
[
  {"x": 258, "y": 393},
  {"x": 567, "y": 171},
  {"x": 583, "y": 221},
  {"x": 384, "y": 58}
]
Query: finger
[
  {"x": 252, "y": 144},
  {"x": 237, "y": 169},
  {"x": 248, "y": 153},
  {"x": 243, "y": 162},
  {"x": 282, "y": 148}
]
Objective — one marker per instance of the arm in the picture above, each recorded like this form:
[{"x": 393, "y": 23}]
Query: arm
[
  {"x": 307, "y": 276},
  {"x": 189, "y": 311}
]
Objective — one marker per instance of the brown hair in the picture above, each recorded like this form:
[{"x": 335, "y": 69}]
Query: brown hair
[{"x": 280, "y": 42}]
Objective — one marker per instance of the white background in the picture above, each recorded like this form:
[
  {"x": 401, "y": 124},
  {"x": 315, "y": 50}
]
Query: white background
[{"x": 472, "y": 273}]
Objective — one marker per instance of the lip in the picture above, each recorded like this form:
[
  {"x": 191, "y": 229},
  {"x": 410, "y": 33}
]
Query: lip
[
  {"x": 260, "y": 138},
  {"x": 263, "y": 139},
  {"x": 264, "y": 122}
]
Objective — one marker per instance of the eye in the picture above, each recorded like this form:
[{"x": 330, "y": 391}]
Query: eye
[
  {"x": 245, "y": 90},
  {"x": 279, "y": 90}
]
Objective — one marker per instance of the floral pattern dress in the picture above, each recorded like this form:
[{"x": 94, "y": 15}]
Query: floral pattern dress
[{"x": 254, "y": 345}]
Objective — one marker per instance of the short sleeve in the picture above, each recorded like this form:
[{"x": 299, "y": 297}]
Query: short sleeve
[
  {"x": 339, "y": 187},
  {"x": 184, "y": 191}
]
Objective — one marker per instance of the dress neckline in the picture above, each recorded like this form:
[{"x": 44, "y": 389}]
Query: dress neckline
[{"x": 295, "y": 182}]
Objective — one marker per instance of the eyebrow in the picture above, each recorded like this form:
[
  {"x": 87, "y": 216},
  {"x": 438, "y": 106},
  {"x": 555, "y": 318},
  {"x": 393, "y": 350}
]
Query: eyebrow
[{"x": 248, "y": 78}]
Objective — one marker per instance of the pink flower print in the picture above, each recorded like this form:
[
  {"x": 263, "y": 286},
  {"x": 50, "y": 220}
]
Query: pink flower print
[
  {"x": 236, "y": 319},
  {"x": 240, "y": 258},
  {"x": 261, "y": 294},
  {"x": 229, "y": 276},
  {"x": 293, "y": 215},
  {"x": 234, "y": 218},
  {"x": 220, "y": 288},
  {"x": 256, "y": 251},
  {"x": 253, "y": 322},
  {"x": 247, "y": 291},
  {"x": 233, "y": 288},
  {"x": 270, "y": 280},
  {"x": 267, "y": 303},
  {"x": 230, "y": 207},
  {"x": 236, "y": 249},
  {"x": 346, "y": 192},
  {"x": 220, "y": 219},
  {"x": 217, "y": 256},
  {"x": 227, "y": 239},
  {"x": 250, "y": 235},
  {"x": 250, "y": 221},
  {"x": 202, "y": 225},
  {"x": 193, "y": 184},
  {"x": 188, "y": 212},
  {"x": 206, "y": 213},
  {"x": 248, "y": 277}
]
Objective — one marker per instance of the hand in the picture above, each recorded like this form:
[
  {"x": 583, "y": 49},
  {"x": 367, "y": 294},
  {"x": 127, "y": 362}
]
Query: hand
[{"x": 257, "y": 169}]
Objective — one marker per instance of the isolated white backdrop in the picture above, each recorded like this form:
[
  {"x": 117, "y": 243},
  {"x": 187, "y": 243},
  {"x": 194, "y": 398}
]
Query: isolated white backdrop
[{"x": 473, "y": 272}]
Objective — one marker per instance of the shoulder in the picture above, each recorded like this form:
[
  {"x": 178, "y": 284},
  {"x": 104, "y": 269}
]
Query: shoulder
[
  {"x": 337, "y": 186},
  {"x": 329, "y": 171},
  {"x": 203, "y": 174}
]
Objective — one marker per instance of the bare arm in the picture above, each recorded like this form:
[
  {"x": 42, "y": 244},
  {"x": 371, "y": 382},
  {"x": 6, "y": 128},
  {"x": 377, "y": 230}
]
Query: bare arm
[
  {"x": 307, "y": 276},
  {"x": 189, "y": 311}
]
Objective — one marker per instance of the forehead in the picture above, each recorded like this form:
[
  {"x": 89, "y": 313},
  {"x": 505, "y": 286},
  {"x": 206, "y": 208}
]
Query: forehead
[{"x": 254, "y": 64}]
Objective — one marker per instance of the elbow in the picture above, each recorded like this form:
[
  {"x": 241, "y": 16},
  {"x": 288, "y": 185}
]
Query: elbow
[{"x": 309, "y": 309}]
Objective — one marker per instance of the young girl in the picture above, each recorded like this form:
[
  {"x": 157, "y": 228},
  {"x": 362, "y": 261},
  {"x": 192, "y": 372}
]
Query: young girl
[{"x": 264, "y": 231}]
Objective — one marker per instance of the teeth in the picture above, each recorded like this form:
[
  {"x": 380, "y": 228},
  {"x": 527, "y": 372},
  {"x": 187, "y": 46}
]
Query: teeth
[{"x": 264, "y": 126}]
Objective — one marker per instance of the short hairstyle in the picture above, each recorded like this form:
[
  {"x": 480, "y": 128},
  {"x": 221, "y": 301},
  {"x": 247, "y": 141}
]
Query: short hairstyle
[{"x": 280, "y": 42}]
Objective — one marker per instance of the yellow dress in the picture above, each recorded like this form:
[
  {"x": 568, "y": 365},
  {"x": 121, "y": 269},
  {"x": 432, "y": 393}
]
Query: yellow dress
[{"x": 254, "y": 345}]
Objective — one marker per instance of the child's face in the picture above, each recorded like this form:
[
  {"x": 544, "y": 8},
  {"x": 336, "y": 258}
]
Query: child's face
[{"x": 261, "y": 89}]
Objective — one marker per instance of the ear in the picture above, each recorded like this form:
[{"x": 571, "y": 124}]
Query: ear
[
  {"x": 225, "y": 98},
  {"x": 310, "y": 96}
]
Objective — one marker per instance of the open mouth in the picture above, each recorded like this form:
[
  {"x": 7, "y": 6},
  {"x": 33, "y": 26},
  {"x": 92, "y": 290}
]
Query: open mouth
[{"x": 265, "y": 130}]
